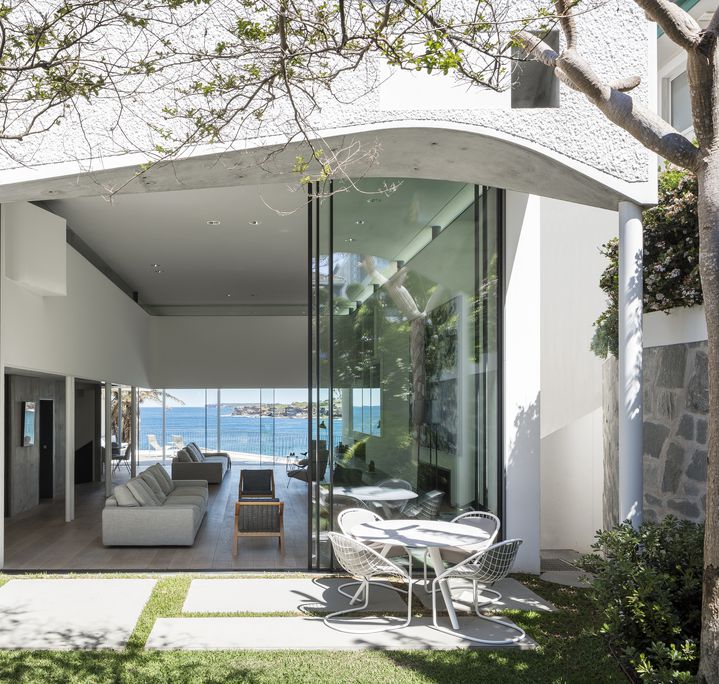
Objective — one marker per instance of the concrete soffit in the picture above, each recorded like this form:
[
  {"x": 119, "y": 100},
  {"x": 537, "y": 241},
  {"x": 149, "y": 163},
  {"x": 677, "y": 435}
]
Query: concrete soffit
[{"x": 410, "y": 149}]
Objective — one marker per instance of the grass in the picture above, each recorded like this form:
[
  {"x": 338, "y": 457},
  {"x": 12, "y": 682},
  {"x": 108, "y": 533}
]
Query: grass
[{"x": 570, "y": 650}]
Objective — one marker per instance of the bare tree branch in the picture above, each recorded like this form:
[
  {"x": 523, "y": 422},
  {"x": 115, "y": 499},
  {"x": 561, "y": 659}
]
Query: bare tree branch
[{"x": 679, "y": 25}]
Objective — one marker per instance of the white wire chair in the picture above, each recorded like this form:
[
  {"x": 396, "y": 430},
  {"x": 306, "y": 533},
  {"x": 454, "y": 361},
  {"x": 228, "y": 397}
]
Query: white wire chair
[
  {"x": 426, "y": 507},
  {"x": 485, "y": 567},
  {"x": 396, "y": 507},
  {"x": 363, "y": 562},
  {"x": 351, "y": 517},
  {"x": 484, "y": 520}
]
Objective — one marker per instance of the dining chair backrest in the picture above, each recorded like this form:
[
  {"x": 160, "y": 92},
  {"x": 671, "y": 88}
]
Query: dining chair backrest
[
  {"x": 484, "y": 520},
  {"x": 360, "y": 560},
  {"x": 426, "y": 507},
  {"x": 488, "y": 565},
  {"x": 395, "y": 483},
  {"x": 351, "y": 517},
  {"x": 257, "y": 482}
]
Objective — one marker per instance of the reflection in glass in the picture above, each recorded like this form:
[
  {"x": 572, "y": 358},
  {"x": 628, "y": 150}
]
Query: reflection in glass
[{"x": 411, "y": 345}]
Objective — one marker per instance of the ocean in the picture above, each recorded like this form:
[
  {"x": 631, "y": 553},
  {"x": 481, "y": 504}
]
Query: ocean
[{"x": 249, "y": 434}]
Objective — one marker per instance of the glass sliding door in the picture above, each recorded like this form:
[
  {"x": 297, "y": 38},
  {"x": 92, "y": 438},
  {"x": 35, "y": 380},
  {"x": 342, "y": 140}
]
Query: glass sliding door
[{"x": 405, "y": 337}]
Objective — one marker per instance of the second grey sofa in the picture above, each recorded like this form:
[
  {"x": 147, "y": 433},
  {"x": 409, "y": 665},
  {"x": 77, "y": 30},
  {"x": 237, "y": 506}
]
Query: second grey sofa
[{"x": 192, "y": 464}]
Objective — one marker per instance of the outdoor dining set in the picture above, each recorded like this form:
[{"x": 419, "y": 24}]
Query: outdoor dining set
[{"x": 378, "y": 531}]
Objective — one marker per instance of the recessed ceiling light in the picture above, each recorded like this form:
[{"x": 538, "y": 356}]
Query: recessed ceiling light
[
  {"x": 214, "y": 222},
  {"x": 155, "y": 265},
  {"x": 159, "y": 271},
  {"x": 374, "y": 200},
  {"x": 228, "y": 295},
  {"x": 254, "y": 222},
  {"x": 350, "y": 239},
  {"x": 360, "y": 222}
]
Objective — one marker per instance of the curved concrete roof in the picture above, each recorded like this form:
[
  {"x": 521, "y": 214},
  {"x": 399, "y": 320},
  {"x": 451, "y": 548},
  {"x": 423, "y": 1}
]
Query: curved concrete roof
[{"x": 434, "y": 150}]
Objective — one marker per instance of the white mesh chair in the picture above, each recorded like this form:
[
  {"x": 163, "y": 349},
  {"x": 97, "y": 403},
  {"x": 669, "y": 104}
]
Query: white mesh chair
[
  {"x": 360, "y": 561},
  {"x": 395, "y": 483},
  {"x": 485, "y": 567},
  {"x": 484, "y": 520},
  {"x": 351, "y": 517},
  {"x": 426, "y": 507}
]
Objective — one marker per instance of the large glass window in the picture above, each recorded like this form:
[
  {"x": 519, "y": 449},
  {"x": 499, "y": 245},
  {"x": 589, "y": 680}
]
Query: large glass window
[{"x": 406, "y": 329}]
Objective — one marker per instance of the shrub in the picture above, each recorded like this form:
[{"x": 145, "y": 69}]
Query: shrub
[
  {"x": 649, "y": 587},
  {"x": 671, "y": 258}
]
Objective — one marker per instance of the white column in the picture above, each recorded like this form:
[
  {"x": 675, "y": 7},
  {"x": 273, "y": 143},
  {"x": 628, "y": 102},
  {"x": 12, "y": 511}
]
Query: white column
[
  {"x": 219, "y": 395},
  {"x": 108, "y": 438},
  {"x": 69, "y": 448},
  {"x": 119, "y": 417},
  {"x": 631, "y": 429},
  {"x": 133, "y": 431},
  {"x": 522, "y": 363},
  {"x": 164, "y": 426}
]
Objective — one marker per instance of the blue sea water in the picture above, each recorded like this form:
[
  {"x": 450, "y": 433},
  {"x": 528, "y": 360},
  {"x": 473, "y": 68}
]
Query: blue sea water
[{"x": 249, "y": 434}]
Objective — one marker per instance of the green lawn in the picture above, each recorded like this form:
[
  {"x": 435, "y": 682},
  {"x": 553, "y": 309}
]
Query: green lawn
[{"x": 570, "y": 650}]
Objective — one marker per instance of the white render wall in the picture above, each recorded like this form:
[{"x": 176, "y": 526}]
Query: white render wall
[
  {"x": 521, "y": 419},
  {"x": 571, "y": 409},
  {"x": 614, "y": 37}
]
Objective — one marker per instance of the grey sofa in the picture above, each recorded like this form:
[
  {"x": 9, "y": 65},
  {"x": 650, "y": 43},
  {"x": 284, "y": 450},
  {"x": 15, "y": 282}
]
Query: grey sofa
[
  {"x": 192, "y": 464},
  {"x": 154, "y": 510}
]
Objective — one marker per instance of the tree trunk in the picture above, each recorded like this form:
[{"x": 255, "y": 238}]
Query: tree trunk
[{"x": 708, "y": 215}]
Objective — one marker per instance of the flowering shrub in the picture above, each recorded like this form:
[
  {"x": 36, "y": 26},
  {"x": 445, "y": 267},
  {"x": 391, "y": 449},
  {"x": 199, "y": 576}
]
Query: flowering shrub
[{"x": 671, "y": 258}]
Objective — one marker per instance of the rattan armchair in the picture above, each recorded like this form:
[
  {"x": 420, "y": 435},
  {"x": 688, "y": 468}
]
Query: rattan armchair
[{"x": 259, "y": 518}]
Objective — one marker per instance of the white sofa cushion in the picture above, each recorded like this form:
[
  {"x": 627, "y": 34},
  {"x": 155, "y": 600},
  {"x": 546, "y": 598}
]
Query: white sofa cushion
[
  {"x": 195, "y": 451},
  {"x": 142, "y": 492},
  {"x": 162, "y": 477},
  {"x": 154, "y": 485},
  {"x": 184, "y": 456},
  {"x": 124, "y": 496}
]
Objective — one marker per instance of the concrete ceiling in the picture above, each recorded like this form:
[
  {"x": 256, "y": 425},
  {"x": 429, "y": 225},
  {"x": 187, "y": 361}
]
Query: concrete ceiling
[{"x": 262, "y": 265}]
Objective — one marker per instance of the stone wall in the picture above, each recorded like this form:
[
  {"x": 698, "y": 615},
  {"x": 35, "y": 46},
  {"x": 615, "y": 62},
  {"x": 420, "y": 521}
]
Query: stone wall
[{"x": 676, "y": 402}]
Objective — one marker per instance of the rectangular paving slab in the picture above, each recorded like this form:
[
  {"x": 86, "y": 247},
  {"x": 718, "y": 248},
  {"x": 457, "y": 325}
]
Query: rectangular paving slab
[
  {"x": 70, "y": 614},
  {"x": 282, "y": 595},
  {"x": 515, "y": 596},
  {"x": 306, "y": 633}
]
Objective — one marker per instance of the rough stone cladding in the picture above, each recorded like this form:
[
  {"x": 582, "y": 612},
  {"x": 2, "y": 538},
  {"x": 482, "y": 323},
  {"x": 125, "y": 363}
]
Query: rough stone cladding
[
  {"x": 676, "y": 403},
  {"x": 614, "y": 37}
]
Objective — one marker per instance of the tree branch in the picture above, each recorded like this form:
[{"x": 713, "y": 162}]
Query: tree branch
[
  {"x": 567, "y": 22},
  {"x": 535, "y": 47},
  {"x": 679, "y": 25}
]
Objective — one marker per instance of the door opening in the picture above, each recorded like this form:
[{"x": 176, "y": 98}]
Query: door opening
[{"x": 47, "y": 449}]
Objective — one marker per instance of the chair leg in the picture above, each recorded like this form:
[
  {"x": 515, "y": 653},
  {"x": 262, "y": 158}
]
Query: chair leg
[
  {"x": 490, "y": 642},
  {"x": 330, "y": 621}
]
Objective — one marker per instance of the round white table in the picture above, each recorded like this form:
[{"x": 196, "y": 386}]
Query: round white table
[
  {"x": 424, "y": 534},
  {"x": 381, "y": 495}
]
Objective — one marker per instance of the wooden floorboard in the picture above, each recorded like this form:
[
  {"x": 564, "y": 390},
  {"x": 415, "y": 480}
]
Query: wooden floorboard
[{"x": 40, "y": 539}]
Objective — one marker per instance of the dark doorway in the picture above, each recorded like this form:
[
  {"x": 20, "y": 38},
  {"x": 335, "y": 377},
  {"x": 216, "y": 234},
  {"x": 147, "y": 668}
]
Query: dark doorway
[{"x": 47, "y": 449}]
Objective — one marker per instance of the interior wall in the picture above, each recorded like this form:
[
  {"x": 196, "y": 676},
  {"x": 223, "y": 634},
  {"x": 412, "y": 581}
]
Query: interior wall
[
  {"x": 94, "y": 332},
  {"x": 228, "y": 351},
  {"x": 23, "y": 467},
  {"x": 571, "y": 374}
]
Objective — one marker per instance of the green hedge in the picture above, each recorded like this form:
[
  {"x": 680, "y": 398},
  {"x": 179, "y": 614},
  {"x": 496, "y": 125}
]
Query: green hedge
[{"x": 648, "y": 586}]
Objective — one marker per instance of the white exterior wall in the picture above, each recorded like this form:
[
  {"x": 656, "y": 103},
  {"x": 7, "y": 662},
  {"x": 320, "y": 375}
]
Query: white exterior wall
[
  {"x": 678, "y": 326},
  {"x": 571, "y": 410},
  {"x": 522, "y": 377}
]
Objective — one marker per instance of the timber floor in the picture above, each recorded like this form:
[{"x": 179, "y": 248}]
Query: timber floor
[{"x": 41, "y": 540}]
